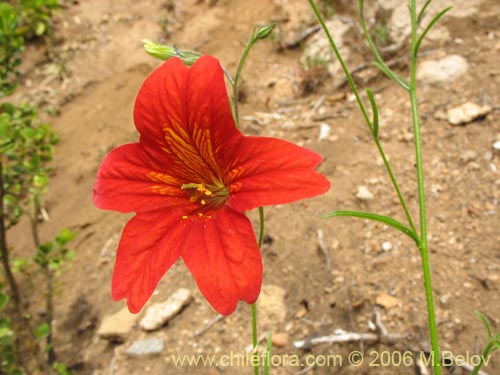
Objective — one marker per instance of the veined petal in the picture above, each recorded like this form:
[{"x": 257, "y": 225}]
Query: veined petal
[
  {"x": 269, "y": 171},
  {"x": 149, "y": 246},
  {"x": 223, "y": 256},
  {"x": 130, "y": 179},
  {"x": 186, "y": 113}
]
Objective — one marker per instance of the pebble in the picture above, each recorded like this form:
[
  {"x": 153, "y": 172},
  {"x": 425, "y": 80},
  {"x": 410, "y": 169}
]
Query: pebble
[
  {"x": 145, "y": 347},
  {"x": 160, "y": 313},
  {"x": 280, "y": 339},
  {"x": 324, "y": 132},
  {"x": 446, "y": 69},
  {"x": 386, "y": 246},
  {"x": 364, "y": 193},
  {"x": 496, "y": 145},
  {"x": 387, "y": 301},
  {"x": 466, "y": 113},
  {"x": 116, "y": 327}
]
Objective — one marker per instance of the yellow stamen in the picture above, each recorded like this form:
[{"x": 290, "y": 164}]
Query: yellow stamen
[{"x": 203, "y": 202}]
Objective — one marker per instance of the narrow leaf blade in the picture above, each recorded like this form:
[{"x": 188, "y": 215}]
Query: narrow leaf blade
[{"x": 375, "y": 217}]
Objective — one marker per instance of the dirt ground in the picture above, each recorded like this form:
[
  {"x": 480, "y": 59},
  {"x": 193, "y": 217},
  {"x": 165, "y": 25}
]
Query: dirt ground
[{"x": 320, "y": 275}]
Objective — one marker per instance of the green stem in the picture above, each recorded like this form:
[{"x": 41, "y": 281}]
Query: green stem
[
  {"x": 237, "y": 79},
  {"x": 424, "y": 251},
  {"x": 49, "y": 297},
  {"x": 254, "y": 339},
  {"x": 4, "y": 249},
  {"x": 486, "y": 353},
  {"x": 362, "y": 107},
  {"x": 254, "y": 306}
]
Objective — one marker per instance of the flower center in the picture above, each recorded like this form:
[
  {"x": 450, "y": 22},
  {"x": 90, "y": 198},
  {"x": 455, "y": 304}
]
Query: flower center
[{"x": 206, "y": 197}]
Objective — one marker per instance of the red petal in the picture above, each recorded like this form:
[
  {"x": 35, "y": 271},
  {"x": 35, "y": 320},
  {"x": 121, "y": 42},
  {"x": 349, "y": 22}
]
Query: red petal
[
  {"x": 272, "y": 171},
  {"x": 130, "y": 179},
  {"x": 150, "y": 244},
  {"x": 223, "y": 256},
  {"x": 186, "y": 113}
]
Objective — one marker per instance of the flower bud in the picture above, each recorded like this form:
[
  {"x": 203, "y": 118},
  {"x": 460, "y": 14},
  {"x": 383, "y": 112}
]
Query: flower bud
[
  {"x": 263, "y": 32},
  {"x": 164, "y": 52}
]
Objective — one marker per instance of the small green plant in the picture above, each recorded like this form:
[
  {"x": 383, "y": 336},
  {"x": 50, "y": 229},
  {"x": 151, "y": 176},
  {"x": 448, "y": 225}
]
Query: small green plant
[
  {"x": 11, "y": 46},
  {"x": 36, "y": 16},
  {"x": 26, "y": 148}
]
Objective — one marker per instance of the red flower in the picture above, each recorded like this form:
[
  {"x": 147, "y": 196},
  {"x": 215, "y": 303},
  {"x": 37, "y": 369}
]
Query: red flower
[{"x": 189, "y": 179}]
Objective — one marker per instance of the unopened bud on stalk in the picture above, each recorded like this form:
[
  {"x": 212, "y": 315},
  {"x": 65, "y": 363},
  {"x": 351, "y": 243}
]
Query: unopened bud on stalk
[
  {"x": 164, "y": 52},
  {"x": 263, "y": 32}
]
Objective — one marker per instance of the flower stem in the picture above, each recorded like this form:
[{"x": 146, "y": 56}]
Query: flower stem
[
  {"x": 364, "y": 112},
  {"x": 424, "y": 250},
  {"x": 254, "y": 306},
  {"x": 237, "y": 78},
  {"x": 254, "y": 339}
]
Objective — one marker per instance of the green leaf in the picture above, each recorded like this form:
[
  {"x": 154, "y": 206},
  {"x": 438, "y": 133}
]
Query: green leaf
[
  {"x": 380, "y": 218},
  {"x": 429, "y": 27},
  {"x": 42, "y": 331},
  {"x": 486, "y": 323},
  {"x": 371, "y": 97},
  {"x": 7, "y": 336},
  {"x": 65, "y": 236},
  {"x": 421, "y": 14},
  {"x": 4, "y": 299},
  {"x": 380, "y": 62},
  {"x": 267, "y": 363}
]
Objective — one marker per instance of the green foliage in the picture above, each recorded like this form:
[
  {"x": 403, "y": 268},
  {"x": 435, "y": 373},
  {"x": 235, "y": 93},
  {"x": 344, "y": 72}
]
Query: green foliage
[
  {"x": 26, "y": 146},
  {"x": 492, "y": 345},
  {"x": 20, "y": 20},
  {"x": 52, "y": 255},
  {"x": 8, "y": 364},
  {"x": 36, "y": 16},
  {"x": 61, "y": 368},
  {"x": 11, "y": 46}
]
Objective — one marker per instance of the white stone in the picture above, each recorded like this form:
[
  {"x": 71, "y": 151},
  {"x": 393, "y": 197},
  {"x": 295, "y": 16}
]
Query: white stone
[
  {"x": 319, "y": 51},
  {"x": 467, "y": 112},
  {"x": 446, "y": 69},
  {"x": 364, "y": 193},
  {"x": 160, "y": 313},
  {"x": 117, "y": 326},
  {"x": 386, "y": 246},
  {"x": 496, "y": 145},
  {"x": 324, "y": 132},
  {"x": 145, "y": 347}
]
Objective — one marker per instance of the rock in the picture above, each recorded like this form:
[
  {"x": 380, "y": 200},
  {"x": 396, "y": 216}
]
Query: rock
[
  {"x": 280, "y": 339},
  {"x": 160, "y": 313},
  {"x": 364, "y": 193},
  {"x": 387, "y": 301},
  {"x": 446, "y": 69},
  {"x": 271, "y": 305},
  {"x": 386, "y": 246},
  {"x": 399, "y": 23},
  {"x": 145, "y": 347},
  {"x": 116, "y": 327},
  {"x": 319, "y": 51},
  {"x": 466, "y": 113},
  {"x": 496, "y": 145},
  {"x": 324, "y": 132}
]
